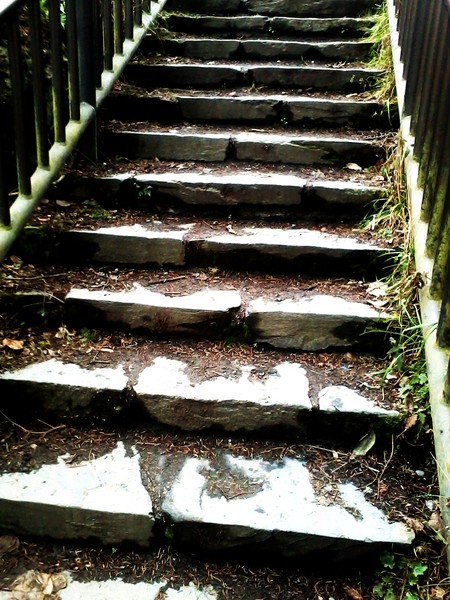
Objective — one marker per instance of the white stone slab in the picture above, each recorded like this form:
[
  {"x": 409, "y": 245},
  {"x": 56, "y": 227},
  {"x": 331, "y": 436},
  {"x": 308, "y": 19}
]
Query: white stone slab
[
  {"x": 116, "y": 589},
  {"x": 298, "y": 238},
  {"x": 237, "y": 402},
  {"x": 133, "y": 244},
  {"x": 65, "y": 388},
  {"x": 284, "y": 501},
  {"x": 341, "y": 399},
  {"x": 310, "y": 323},
  {"x": 198, "y": 313},
  {"x": 102, "y": 498}
]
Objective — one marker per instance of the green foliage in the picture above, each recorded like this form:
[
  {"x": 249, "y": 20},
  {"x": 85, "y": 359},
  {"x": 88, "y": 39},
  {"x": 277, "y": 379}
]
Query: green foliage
[
  {"x": 381, "y": 58},
  {"x": 400, "y": 579},
  {"x": 406, "y": 356}
]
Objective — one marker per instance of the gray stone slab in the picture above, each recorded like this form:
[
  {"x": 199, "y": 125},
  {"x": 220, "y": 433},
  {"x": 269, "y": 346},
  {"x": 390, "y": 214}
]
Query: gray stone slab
[
  {"x": 199, "y": 76},
  {"x": 237, "y": 402},
  {"x": 340, "y": 399},
  {"x": 310, "y": 323},
  {"x": 67, "y": 390},
  {"x": 321, "y": 78},
  {"x": 102, "y": 498},
  {"x": 276, "y": 109},
  {"x": 282, "y": 50},
  {"x": 260, "y": 49},
  {"x": 313, "y": 8},
  {"x": 277, "y": 507},
  {"x": 339, "y": 26},
  {"x": 287, "y": 249},
  {"x": 168, "y": 146},
  {"x": 272, "y": 191},
  {"x": 186, "y": 75},
  {"x": 132, "y": 244},
  {"x": 315, "y": 25},
  {"x": 263, "y": 147},
  {"x": 304, "y": 150},
  {"x": 202, "y": 314}
]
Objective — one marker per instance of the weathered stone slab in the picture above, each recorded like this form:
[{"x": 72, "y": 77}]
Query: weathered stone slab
[
  {"x": 102, "y": 498},
  {"x": 129, "y": 244},
  {"x": 186, "y": 75},
  {"x": 201, "y": 314},
  {"x": 234, "y": 403},
  {"x": 263, "y": 147},
  {"x": 340, "y": 399},
  {"x": 286, "y": 249},
  {"x": 216, "y": 75},
  {"x": 338, "y": 27},
  {"x": 206, "y": 6},
  {"x": 311, "y": 323},
  {"x": 279, "y": 50},
  {"x": 116, "y": 589},
  {"x": 321, "y": 78},
  {"x": 313, "y": 8},
  {"x": 268, "y": 191},
  {"x": 275, "y": 507},
  {"x": 168, "y": 146},
  {"x": 305, "y": 150},
  {"x": 202, "y": 24},
  {"x": 67, "y": 390},
  {"x": 259, "y": 49}
]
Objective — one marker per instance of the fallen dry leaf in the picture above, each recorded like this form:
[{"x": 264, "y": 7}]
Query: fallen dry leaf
[
  {"x": 16, "y": 345},
  {"x": 63, "y": 203},
  {"x": 414, "y": 524},
  {"x": 352, "y": 593},
  {"x": 438, "y": 593}
]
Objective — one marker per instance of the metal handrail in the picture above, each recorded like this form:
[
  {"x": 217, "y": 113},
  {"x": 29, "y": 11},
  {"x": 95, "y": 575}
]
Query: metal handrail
[
  {"x": 424, "y": 38},
  {"x": 85, "y": 53}
]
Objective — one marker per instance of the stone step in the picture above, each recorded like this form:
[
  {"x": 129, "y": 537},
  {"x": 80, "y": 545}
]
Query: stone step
[
  {"x": 268, "y": 397},
  {"x": 229, "y": 245},
  {"x": 262, "y": 191},
  {"x": 213, "y": 500},
  {"x": 305, "y": 322},
  {"x": 280, "y": 26},
  {"x": 201, "y": 144},
  {"x": 214, "y": 75},
  {"x": 257, "y": 49},
  {"x": 249, "y": 109},
  {"x": 289, "y": 8}
]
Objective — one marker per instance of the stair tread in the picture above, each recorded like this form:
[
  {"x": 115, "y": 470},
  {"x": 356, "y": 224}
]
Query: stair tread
[{"x": 335, "y": 518}]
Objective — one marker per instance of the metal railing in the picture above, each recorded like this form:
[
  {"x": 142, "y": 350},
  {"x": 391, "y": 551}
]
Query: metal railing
[
  {"x": 63, "y": 57},
  {"x": 424, "y": 40}
]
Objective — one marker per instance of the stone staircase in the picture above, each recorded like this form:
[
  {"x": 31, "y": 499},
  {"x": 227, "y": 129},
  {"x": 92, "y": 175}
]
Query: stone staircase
[{"x": 193, "y": 329}]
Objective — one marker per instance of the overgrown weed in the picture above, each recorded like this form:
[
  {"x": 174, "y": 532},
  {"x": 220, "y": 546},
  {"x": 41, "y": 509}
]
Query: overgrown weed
[{"x": 381, "y": 58}]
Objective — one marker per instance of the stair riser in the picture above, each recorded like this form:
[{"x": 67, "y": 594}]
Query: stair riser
[
  {"x": 219, "y": 148},
  {"x": 291, "y": 8},
  {"x": 213, "y": 49},
  {"x": 281, "y": 325},
  {"x": 215, "y": 76},
  {"x": 87, "y": 247},
  {"x": 221, "y": 196},
  {"x": 338, "y": 28},
  {"x": 241, "y": 110}
]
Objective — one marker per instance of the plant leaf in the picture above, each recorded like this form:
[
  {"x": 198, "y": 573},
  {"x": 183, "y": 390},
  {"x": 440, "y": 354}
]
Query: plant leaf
[{"x": 365, "y": 444}]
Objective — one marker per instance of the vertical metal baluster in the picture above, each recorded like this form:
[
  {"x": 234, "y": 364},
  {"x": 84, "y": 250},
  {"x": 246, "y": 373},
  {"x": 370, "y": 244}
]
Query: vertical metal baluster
[
  {"x": 138, "y": 12},
  {"x": 72, "y": 53},
  {"x": 40, "y": 105},
  {"x": 129, "y": 20},
  {"x": 108, "y": 35},
  {"x": 59, "y": 108},
  {"x": 5, "y": 217},
  {"x": 18, "y": 93},
  {"x": 118, "y": 27}
]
